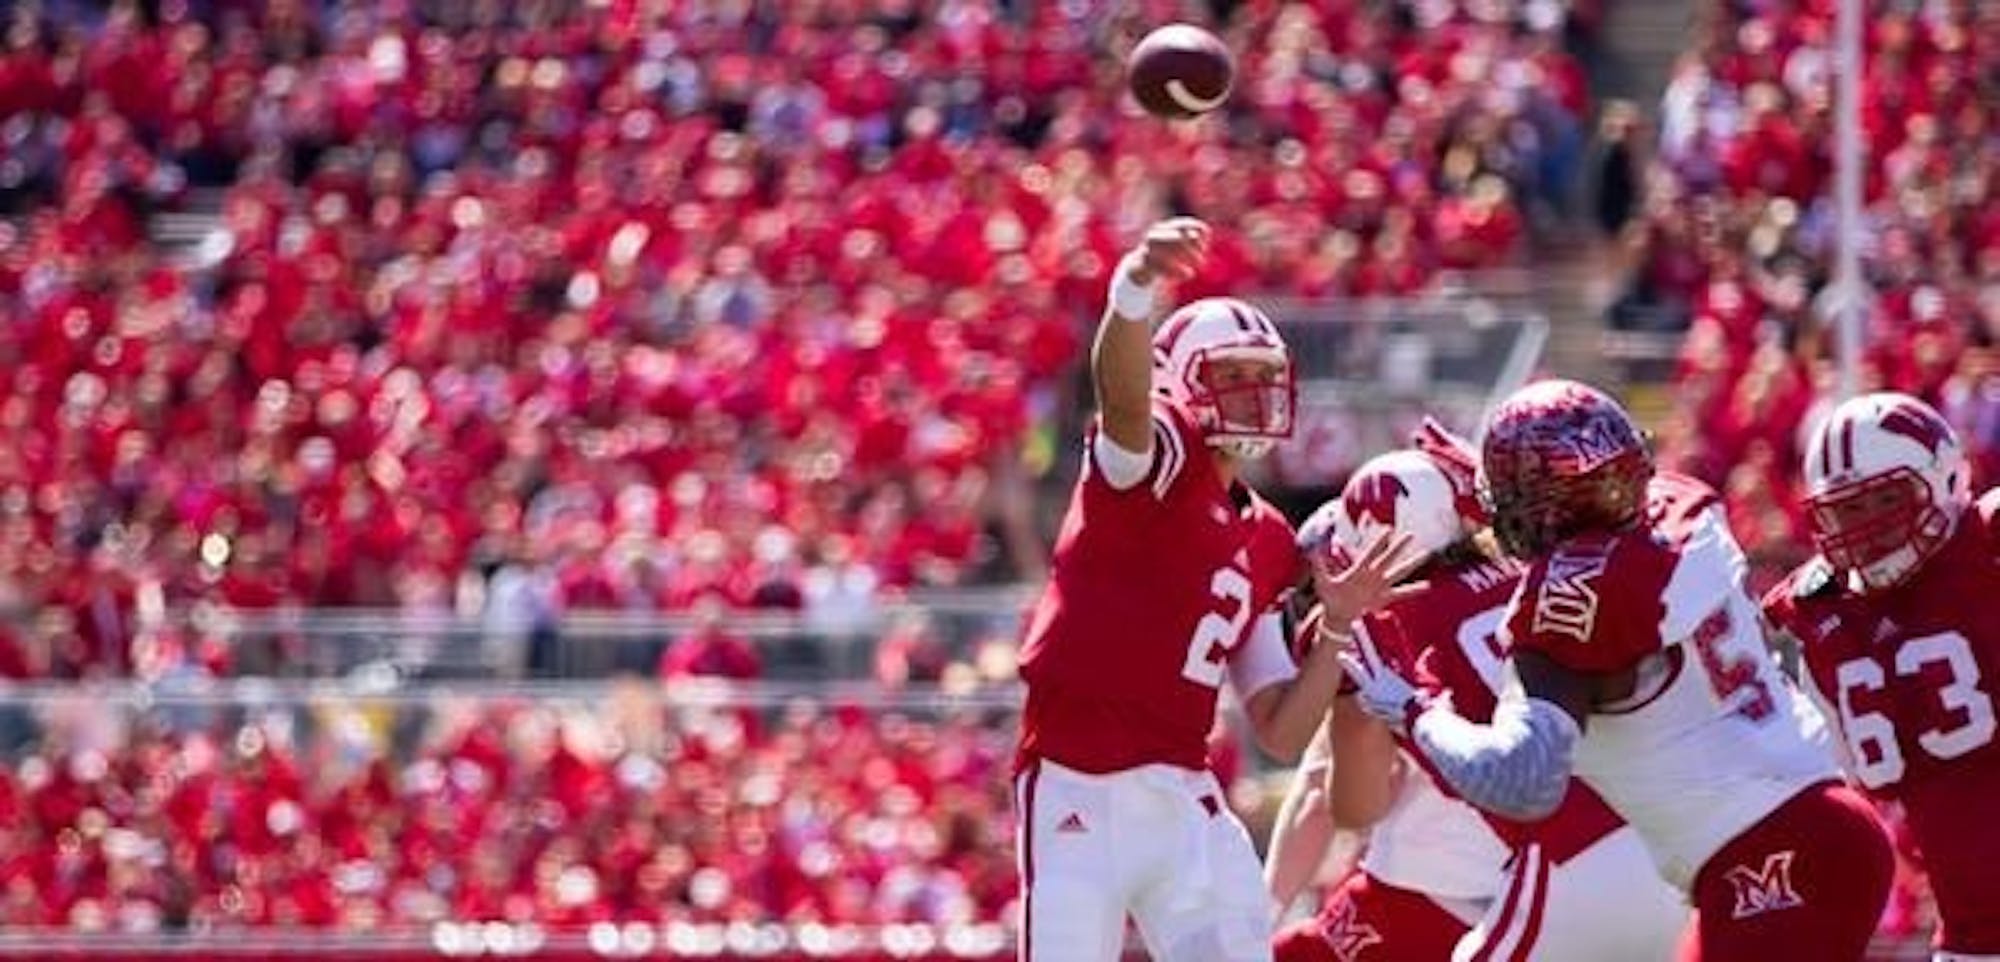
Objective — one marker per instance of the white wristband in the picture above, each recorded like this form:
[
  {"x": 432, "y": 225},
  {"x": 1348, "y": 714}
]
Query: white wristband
[{"x": 1130, "y": 299}]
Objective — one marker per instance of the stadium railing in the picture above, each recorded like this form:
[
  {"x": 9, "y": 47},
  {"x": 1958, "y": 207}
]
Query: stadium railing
[
  {"x": 1370, "y": 369},
  {"x": 328, "y": 642}
]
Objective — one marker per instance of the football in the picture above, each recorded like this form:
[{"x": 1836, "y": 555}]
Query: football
[{"x": 1180, "y": 71}]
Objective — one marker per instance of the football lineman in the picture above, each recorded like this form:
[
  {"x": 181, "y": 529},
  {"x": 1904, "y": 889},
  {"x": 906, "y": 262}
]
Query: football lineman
[
  {"x": 1900, "y": 629},
  {"x": 1637, "y": 661},
  {"x": 1439, "y": 881}
]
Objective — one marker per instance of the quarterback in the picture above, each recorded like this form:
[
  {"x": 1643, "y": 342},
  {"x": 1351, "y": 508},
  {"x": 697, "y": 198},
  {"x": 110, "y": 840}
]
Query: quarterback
[{"x": 1166, "y": 585}]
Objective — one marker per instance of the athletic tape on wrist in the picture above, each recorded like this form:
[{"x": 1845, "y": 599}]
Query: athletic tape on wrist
[{"x": 1130, "y": 299}]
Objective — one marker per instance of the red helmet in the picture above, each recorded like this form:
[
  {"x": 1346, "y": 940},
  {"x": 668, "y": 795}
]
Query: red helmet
[{"x": 1561, "y": 458}]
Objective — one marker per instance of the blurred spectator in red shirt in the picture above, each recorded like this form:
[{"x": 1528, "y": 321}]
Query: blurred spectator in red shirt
[{"x": 709, "y": 649}]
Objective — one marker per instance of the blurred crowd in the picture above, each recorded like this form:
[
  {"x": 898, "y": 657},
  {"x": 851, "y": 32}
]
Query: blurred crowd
[
  {"x": 561, "y": 305},
  {"x": 364, "y": 817},
  {"x": 1735, "y": 243}
]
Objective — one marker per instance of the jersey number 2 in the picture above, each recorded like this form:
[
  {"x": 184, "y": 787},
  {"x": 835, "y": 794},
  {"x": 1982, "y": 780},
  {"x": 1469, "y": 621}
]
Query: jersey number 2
[
  {"x": 1216, "y": 633},
  {"x": 1871, "y": 737}
]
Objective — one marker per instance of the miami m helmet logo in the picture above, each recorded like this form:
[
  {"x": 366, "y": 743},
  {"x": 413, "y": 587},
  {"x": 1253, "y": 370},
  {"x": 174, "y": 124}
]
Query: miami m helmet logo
[
  {"x": 1768, "y": 890},
  {"x": 1567, "y": 602}
]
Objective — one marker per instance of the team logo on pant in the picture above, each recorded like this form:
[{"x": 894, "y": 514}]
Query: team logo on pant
[
  {"x": 1348, "y": 937},
  {"x": 1768, "y": 890}
]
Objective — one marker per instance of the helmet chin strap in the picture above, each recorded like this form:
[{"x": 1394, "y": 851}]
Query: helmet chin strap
[{"x": 1247, "y": 449}]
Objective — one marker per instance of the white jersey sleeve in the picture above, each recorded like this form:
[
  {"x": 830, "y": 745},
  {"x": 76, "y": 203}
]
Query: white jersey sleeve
[
  {"x": 1156, "y": 468},
  {"x": 1263, "y": 659}
]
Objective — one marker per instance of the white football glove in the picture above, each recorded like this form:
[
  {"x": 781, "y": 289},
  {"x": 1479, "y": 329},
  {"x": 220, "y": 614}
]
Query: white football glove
[{"x": 1382, "y": 693}]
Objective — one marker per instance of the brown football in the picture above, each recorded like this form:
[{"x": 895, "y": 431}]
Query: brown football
[{"x": 1180, "y": 71}]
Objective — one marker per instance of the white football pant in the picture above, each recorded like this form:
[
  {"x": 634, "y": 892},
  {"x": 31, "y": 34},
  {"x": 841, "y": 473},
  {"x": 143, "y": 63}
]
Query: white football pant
[
  {"x": 1158, "y": 843},
  {"x": 1608, "y": 902}
]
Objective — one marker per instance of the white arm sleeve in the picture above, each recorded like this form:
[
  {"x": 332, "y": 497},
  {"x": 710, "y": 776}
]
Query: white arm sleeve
[
  {"x": 1262, "y": 660},
  {"x": 1518, "y": 767},
  {"x": 1120, "y": 468},
  {"x": 1123, "y": 469}
]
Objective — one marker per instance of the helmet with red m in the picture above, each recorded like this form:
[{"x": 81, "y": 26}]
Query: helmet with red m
[
  {"x": 1401, "y": 491},
  {"x": 1559, "y": 459},
  {"x": 1225, "y": 361},
  {"x": 1886, "y": 482}
]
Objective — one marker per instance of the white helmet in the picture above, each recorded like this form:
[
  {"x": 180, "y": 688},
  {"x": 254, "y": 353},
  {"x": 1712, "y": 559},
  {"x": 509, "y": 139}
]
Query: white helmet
[
  {"x": 1886, "y": 481},
  {"x": 1226, "y": 329},
  {"x": 1402, "y": 491}
]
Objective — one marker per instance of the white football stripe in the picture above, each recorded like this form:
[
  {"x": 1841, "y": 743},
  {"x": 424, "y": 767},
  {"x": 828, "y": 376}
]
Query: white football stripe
[
  {"x": 1169, "y": 459},
  {"x": 1186, "y": 99}
]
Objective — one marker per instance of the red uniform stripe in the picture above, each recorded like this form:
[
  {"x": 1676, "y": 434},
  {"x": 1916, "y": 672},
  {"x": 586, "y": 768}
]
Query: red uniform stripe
[
  {"x": 1170, "y": 335},
  {"x": 1499, "y": 932},
  {"x": 1533, "y": 928}
]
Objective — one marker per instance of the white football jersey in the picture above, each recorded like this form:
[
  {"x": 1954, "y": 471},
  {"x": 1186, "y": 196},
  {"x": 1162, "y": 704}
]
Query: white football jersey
[{"x": 1715, "y": 736}]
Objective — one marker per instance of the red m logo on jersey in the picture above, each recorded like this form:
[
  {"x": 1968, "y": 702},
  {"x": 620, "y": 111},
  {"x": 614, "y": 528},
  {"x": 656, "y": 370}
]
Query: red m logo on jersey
[
  {"x": 1768, "y": 890},
  {"x": 1567, "y": 602},
  {"x": 1374, "y": 496},
  {"x": 1918, "y": 425}
]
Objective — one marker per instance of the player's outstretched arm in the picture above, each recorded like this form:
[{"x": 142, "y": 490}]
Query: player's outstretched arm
[
  {"x": 1121, "y": 361},
  {"x": 1519, "y": 765},
  {"x": 1360, "y": 791},
  {"x": 1304, "y": 828}
]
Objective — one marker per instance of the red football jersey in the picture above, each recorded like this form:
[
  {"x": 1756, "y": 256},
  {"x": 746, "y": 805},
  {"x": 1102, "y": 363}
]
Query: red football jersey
[
  {"x": 1597, "y": 603},
  {"x": 1446, "y": 639},
  {"x": 1150, "y": 591},
  {"x": 1911, "y": 676}
]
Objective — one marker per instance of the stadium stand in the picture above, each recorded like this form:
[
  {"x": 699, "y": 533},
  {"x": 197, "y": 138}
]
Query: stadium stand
[
  {"x": 1735, "y": 245},
  {"x": 660, "y": 301},
  {"x": 585, "y": 806}
]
